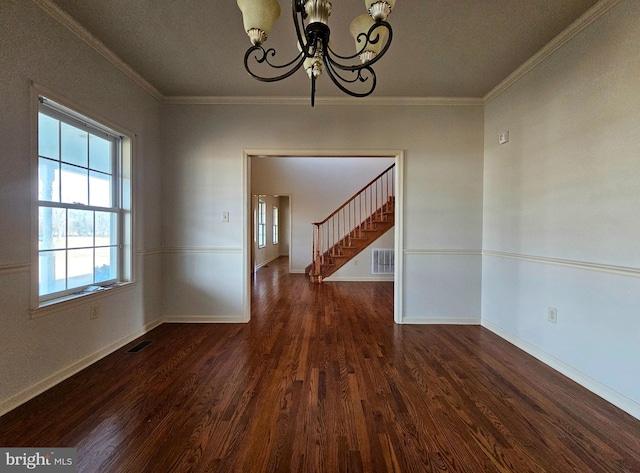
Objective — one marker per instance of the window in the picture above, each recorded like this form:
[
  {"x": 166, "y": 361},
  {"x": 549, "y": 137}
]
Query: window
[
  {"x": 81, "y": 203},
  {"x": 262, "y": 224},
  {"x": 275, "y": 225}
]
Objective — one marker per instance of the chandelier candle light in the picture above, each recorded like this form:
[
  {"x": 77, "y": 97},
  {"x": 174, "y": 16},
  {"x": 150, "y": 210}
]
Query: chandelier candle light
[{"x": 371, "y": 32}]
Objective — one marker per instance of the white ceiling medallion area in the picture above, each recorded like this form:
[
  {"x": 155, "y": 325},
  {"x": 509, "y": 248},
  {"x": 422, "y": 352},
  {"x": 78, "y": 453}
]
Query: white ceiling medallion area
[{"x": 69, "y": 22}]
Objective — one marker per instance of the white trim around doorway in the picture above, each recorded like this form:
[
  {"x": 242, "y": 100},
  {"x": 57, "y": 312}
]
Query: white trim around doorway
[{"x": 398, "y": 155}]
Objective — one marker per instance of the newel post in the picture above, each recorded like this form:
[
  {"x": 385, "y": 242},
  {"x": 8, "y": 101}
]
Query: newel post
[{"x": 316, "y": 258}]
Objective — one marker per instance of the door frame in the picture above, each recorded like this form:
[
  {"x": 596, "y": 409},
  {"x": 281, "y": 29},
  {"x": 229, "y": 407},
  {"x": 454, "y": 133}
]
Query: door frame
[{"x": 247, "y": 236}]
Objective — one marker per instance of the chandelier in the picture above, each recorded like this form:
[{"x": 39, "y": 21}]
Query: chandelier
[{"x": 371, "y": 32}]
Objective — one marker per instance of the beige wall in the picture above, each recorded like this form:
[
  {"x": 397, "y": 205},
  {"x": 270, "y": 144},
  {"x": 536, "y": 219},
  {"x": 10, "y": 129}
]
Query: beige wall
[
  {"x": 561, "y": 225},
  {"x": 285, "y": 225},
  {"x": 204, "y": 175},
  {"x": 36, "y": 353}
]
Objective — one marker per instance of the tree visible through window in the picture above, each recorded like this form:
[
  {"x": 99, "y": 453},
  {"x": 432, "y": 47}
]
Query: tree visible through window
[{"x": 79, "y": 203}]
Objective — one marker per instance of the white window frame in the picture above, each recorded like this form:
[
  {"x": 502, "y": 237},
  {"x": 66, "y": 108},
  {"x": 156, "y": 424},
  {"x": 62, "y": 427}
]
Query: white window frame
[
  {"x": 262, "y": 223},
  {"x": 275, "y": 225},
  {"x": 61, "y": 109}
]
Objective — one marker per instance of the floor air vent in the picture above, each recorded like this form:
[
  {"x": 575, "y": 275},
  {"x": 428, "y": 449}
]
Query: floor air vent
[
  {"x": 382, "y": 261},
  {"x": 140, "y": 346}
]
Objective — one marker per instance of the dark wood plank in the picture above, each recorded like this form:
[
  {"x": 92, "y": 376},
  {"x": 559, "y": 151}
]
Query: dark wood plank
[{"x": 322, "y": 380}]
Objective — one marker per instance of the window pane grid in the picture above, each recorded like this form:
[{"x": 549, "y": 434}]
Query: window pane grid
[
  {"x": 275, "y": 225},
  {"x": 85, "y": 180},
  {"x": 48, "y": 180},
  {"x": 79, "y": 214},
  {"x": 80, "y": 249},
  {"x": 262, "y": 224}
]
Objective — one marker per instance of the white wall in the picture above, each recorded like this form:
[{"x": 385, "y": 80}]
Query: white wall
[
  {"x": 316, "y": 186},
  {"x": 561, "y": 226},
  {"x": 203, "y": 161},
  {"x": 285, "y": 225},
  {"x": 359, "y": 268},
  {"x": 36, "y": 353}
]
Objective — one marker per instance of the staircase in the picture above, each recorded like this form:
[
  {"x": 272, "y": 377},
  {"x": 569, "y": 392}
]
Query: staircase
[{"x": 353, "y": 226}]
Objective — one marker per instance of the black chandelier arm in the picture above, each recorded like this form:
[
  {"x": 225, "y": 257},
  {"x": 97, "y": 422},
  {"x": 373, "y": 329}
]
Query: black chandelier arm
[
  {"x": 362, "y": 74},
  {"x": 337, "y": 69},
  {"x": 262, "y": 56},
  {"x": 371, "y": 37},
  {"x": 297, "y": 6},
  {"x": 299, "y": 15}
]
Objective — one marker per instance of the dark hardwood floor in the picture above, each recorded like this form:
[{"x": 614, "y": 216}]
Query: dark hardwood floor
[{"x": 322, "y": 380}]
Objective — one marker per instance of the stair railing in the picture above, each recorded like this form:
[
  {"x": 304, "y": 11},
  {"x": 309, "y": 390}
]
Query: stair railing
[{"x": 351, "y": 220}]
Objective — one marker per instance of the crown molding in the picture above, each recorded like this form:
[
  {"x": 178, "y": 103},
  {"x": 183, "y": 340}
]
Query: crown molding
[
  {"x": 231, "y": 100},
  {"x": 326, "y": 101},
  {"x": 591, "y": 15},
  {"x": 66, "y": 20}
]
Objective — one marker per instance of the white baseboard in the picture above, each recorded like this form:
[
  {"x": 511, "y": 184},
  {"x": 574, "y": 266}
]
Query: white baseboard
[
  {"x": 264, "y": 263},
  {"x": 439, "y": 321},
  {"x": 204, "y": 319},
  {"x": 56, "y": 378},
  {"x": 586, "y": 381}
]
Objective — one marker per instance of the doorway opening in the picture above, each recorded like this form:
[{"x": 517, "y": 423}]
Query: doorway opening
[{"x": 291, "y": 164}]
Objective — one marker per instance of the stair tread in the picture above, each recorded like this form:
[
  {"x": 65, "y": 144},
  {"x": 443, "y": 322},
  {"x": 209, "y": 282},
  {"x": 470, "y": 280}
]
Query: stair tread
[{"x": 361, "y": 236}]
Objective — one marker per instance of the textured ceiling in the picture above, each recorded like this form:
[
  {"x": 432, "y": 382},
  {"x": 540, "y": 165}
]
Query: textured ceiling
[{"x": 441, "y": 48}]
